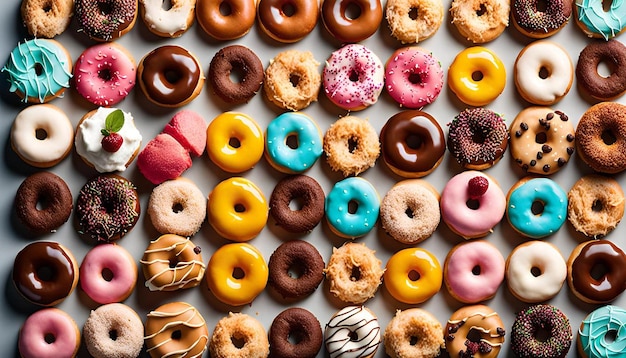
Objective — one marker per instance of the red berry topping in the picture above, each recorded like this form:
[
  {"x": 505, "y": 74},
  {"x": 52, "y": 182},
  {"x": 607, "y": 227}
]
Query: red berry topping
[
  {"x": 477, "y": 187},
  {"x": 112, "y": 142}
]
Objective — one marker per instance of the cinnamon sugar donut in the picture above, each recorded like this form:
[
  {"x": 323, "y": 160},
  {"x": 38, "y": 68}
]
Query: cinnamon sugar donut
[
  {"x": 601, "y": 137},
  {"x": 239, "y": 327},
  {"x": 177, "y": 207},
  {"x": 292, "y": 80},
  {"x": 113, "y": 330},
  {"x": 414, "y": 324},
  {"x": 409, "y": 29},
  {"x": 480, "y": 21},
  {"x": 351, "y": 145},
  {"x": 45, "y": 18}
]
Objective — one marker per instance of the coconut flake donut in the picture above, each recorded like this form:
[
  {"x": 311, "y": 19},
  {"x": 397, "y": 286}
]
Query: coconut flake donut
[
  {"x": 351, "y": 145},
  {"x": 597, "y": 22},
  {"x": 413, "y": 275},
  {"x": 525, "y": 341},
  {"x": 354, "y": 273},
  {"x": 532, "y": 22},
  {"x": 180, "y": 320},
  {"x": 236, "y": 22},
  {"x": 49, "y": 333},
  {"x": 293, "y": 142},
  {"x": 478, "y": 319},
  {"x": 477, "y": 76},
  {"x": 353, "y": 331},
  {"x": 349, "y": 191},
  {"x": 239, "y": 327},
  {"x": 413, "y": 77},
  {"x": 353, "y": 77},
  {"x": 46, "y": 19},
  {"x": 345, "y": 28},
  {"x": 300, "y": 189},
  {"x": 235, "y": 142},
  {"x": 409, "y": 29},
  {"x": 106, "y": 25},
  {"x": 604, "y": 322},
  {"x": 295, "y": 322},
  {"x": 601, "y": 137},
  {"x": 108, "y": 274},
  {"x": 292, "y": 80},
  {"x": 480, "y": 21},
  {"x": 296, "y": 255},
  {"x": 113, "y": 330},
  {"x": 236, "y": 61},
  {"x": 601, "y": 87},
  {"x": 413, "y": 324},
  {"x": 172, "y": 22},
  {"x": 177, "y": 207},
  {"x": 287, "y": 22}
]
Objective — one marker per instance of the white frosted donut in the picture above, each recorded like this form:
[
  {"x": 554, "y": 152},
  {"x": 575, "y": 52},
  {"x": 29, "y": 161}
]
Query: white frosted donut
[
  {"x": 172, "y": 22},
  {"x": 352, "y": 332},
  {"x": 177, "y": 207}
]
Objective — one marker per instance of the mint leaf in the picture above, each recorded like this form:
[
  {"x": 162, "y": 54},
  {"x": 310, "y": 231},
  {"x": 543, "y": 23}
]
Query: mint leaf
[{"x": 114, "y": 121}]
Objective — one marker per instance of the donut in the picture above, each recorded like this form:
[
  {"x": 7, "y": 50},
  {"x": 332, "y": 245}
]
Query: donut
[
  {"x": 171, "y": 22},
  {"x": 104, "y": 74},
  {"x": 413, "y": 275},
  {"x": 408, "y": 28},
  {"x": 39, "y": 70},
  {"x": 352, "y": 207},
  {"x": 409, "y": 212},
  {"x": 43, "y": 202},
  {"x": 163, "y": 158},
  {"x": 600, "y": 86},
  {"x": 304, "y": 191},
  {"x": 45, "y": 273},
  {"x": 541, "y": 318},
  {"x": 353, "y": 331},
  {"x": 354, "y": 273},
  {"x": 237, "y": 209},
  {"x": 178, "y": 320},
  {"x": 535, "y": 271},
  {"x": 107, "y": 207},
  {"x": 347, "y": 29},
  {"x": 172, "y": 262},
  {"x": 49, "y": 332},
  {"x": 601, "y": 333},
  {"x": 236, "y": 61},
  {"x": 298, "y": 323},
  {"x": 113, "y": 330},
  {"x": 472, "y": 204},
  {"x": 177, "y": 207},
  {"x": 170, "y": 76},
  {"x": 353, "y": 76},
  {"x": 293, "y": 142},
  {"x": 413, "y": 332},
  {"x": 595, "y": 205},
  {"x": 542, "y": 140},
  {"x": 601, "y": 137},
  {"x": 237, "y": 273},
  {"x": 473, "y": 271},
  {"x": 480, "y": 320},
  {"x": 351, "y": 145},
  {"x": 46, "y": 19},
  {"x": 235, "y": 142},
  {"x": 599, "y": 22},
  {"x": 596, "y": 271},
  {"x": 536, "y": 207},
  {"x": 287, "y": 22},
  {"x": 300, "y": 256},
  {"x": 477, "y": 138},
  {"x": 189, "y": 129},
  {"x": 480, "y": 21},
  {"x": 529, "y": 20},
  {"x": 477, "y": 76},
  {"x": 106, "y": 20},
  {"x": 242, "y": 328},
  {"x": 108, "y": 274},
  {"x": 94, "y": 132},
  {"x": 235, "y": 22},
  {"x": 292, "y": 80}
]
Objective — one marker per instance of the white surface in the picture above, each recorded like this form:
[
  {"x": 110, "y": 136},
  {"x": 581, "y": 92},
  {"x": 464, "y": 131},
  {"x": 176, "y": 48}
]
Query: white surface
[{"x": 151, "y": 119}]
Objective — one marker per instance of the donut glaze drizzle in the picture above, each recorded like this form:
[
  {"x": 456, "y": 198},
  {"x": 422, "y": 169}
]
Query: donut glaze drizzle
[{"x": 348, "y": 321}]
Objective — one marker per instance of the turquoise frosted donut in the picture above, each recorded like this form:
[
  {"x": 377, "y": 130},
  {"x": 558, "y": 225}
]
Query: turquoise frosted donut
[
  {"x": 597, "y": 327},
  {"x": 299, "y": 154},
  {"x": 351, "y": 222},
  {"x": 524, "y": 204},
  {"x": 596, "y": 22}
]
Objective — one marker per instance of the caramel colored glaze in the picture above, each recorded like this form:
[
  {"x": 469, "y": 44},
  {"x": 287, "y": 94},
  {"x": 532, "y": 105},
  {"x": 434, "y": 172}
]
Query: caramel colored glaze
[
  {"x": 288, "y": 28},
  {"x": 350, "y": 30},
  {"x": 226, "y": 27},
  {"x": 171, "y": 319},
  {"x": 610, "y": 285},
  {"x": 481, "y": 319}
]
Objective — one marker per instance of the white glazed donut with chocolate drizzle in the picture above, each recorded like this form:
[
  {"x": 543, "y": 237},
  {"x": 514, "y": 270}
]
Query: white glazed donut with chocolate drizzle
[
  {"x": 352, "y": 332},
  {"x": 480, "y": 319}
]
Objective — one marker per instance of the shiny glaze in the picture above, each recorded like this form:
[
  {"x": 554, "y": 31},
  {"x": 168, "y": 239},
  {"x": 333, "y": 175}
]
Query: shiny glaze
[
  {"x": 119, "y": 262},
  {"x": 243, "y": 128},
  {"x": 601, "y": 23},
  {"x": 344, "y": 192},
  {"x": 477, "y": 318},
  {"x": 226, "y": 27},
  {"x": 596, "y": 325},
  {"x": 465, "y": 64},
  {"x": 172, "y": 317},
  {"x": 350, "y": 30},
  {"x": 397, "y": 277},
  {"x": 308, "y": 137},
  {"x": 172, "y": 22},
  {"x": 413, "y": 77},
  {"x": 352, "y": 320},
  {"x": 288, "y": 28},
  {"x": 612, "y": 283},
  {"x": 34, "y": 335}
]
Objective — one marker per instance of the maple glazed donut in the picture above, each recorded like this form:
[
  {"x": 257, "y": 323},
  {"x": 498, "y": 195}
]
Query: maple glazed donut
[
  {"x": 239, "y": 327},
  {"x": 477, "y": 76},
  {"x": 413, "y": 77},
  {"x": 540, "y": 24},
  {"x": 106, "y": 20},
  {"x": 287, "y": 21},
  {"x": 413, "y": 332},
  {"x": 233, "y": 24},
  {"x": 108, "y": 274},
  {"x": 530, "y": 322},
  {"x": 407, "y": 29},
  {"x": 342, "y": 221},
  {"x": 413, "y": 275},
  {"x": 295, "y": 255},
  {"x": 480, "y": 21},
  {"x": 43, "y": 18},
  {"x": 293, "y": 142},
  {"x": 295, "y": 322},
  {"x": 113, "y": 330},
  {"x": 602, "y": 87},
  {"x": 601, "y": 333},
  {"x": 176, "y": 319},
  {"x": 177, "y": 207},
  {"x": 346, "y": 29},
  {"x": 353, "y": 331},
  {"x": 308, "y": 193},
  {"x": 235, "y": 142},
  {"x": 292, "y": 80},
  {"x": 478, "y": 319},
  {"x": 44, "y": 326},
  {"x": 231, "y": 60},
  {"x": 601, "y": 137},
  {"x": 351, "y": 145},
  {"x": 170, "y": 22}
]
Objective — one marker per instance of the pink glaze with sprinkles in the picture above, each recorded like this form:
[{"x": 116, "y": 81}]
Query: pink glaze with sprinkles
[
  {"x": 353, "y": 77},
  {"x": 413, "y": 77},
  {"x": 123, "y": 272},
  {"x": 104, "y": 74},
  {"x": 49, "y": 333}
]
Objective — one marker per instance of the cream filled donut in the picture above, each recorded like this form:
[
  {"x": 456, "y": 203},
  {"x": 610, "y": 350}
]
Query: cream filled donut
[
  {"x": 171, "y": 22},
  {"x": 43, "y": 326},
  {"x": 353, "y": 331},
  {"x": 108, "y": 274}
]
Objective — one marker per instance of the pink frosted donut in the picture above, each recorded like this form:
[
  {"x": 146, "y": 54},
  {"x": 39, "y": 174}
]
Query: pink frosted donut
[
  {"x": 473, "y": 271},
  {"x": 413, "y": 77},
  {"x": 472, "y": 204},
  {"x": 105, "y": 74},
  {"x": 49, "y": 333},
  {"x": 108, "y": 274},
  {"x": 353, "y": 77}
]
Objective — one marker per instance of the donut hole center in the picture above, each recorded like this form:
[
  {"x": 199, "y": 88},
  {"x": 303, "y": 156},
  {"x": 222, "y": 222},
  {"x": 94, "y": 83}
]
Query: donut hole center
[
  {"x": 173, "y": 263},
  {"x": 107, "y": 207},
  {"x": 353, "y": 144},
  {"x": 474, "y": 335},
  {"x": 38, "y": 69},
  {"x": 353, "y": 11},
  {"x": 597, "y": 206},
  {"x": 535, "y": 271},
  {"x": 49, "y": 338},
  {"x": 105, "y": 74},
  {"x": 353, "y": 207},
  {"x": 414, "y": 275},
  {"x": 354, "y": 76},
  {"x": 172, "y": 76},
  {"x": 479, "y": 137},
  {"x": 238, "y": 273},
  {"x": 606, "y": 68},
  {"x": 47, "y": 7},
  {"x": 473, "y": 204},
  {"x": 166, "y": 5},
  {"x": 225, "y": 9},
  {"x": 477, "y": 76},
  {"x": 113, "y": 335},
  {"x": 544, "y": 72},
  {"x": 354, "y": 337},
  {"x": 288, "y": 9},
  {"x": 296, "y": 204},
  {"x": 292, "y": 141},
  {"x": 482, "y": 10},
  {"x": 413, "y": 141},
  {"x": 234, "y": 142},
  {"x": 542, "y": 5},
  {"x": 476, "y": 270},
  {"x": 177, "y": 335},
  {"x": 413, "y": 13},
  {"x": 296, "y": 270},
  {"x": 43, "y": 202},
  {"x": 537, "y": 207},
  {"x": 46, "y": 273},
  {"x": 606, "y": 5},
  {"x": 610, "y": 336},
  {"x": 237, "y": 74},
  {"x": 355, "y": 274},
  {"x": 409, "y": 213},
  {"x": 415, "y": 78},
  {"x": 41, "y": 134},
  {"x": 599, "y": 270},
  {"x": 239, "y": 208},
  {"x": 107, "y": 274},
  {"x": 541, "y": 138},
  {"x": 296, "y": 336},
  {"x": 294, "y": 79},
  {"x": 238, "y": 342},
  {"x": 413, "y": 340},
  {"x": 542, "y": 333},
  {"x": 177, "y": 208},
  {"x": 608, "y": 137},
  {"x": 105, "y": 7}
]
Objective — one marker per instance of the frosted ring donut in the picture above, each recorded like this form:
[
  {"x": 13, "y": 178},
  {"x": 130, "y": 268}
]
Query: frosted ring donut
[
  {"x": 413, "y": 275},
  {"x": 234, "y": 24},
  {"x": 112, "y": 259},
  {"x": 353, "y": 331},
  {"x": 479, "y": 319},
  {"x": 163, "y": 323},
  {"x": 234, "y": 142},
  {"x": 277, "y": 24},
  {"x": 43, "y": 325},
  {"x": 352, "y": 190},
  {"x": 477, "y": 76},
  {"x": 177, "y": 207},
  {"x": 300, "y": 127},
  {"x": 170, "y": 22}
]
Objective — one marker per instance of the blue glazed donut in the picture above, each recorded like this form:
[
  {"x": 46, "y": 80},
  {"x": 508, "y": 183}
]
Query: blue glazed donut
[
  {"x": 342, "y": 219},
  {"x": 290, "y": 157},
  {"x": 606, "y": 320}
]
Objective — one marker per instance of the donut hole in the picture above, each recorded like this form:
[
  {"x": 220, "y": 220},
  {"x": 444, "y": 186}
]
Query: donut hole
[
  {"x": 473, "y": 204},
  {"x": 239, "y": 208},
  {"x": 353, "y": 144},
  {"x": 294, "y": 79},
  {"x": 476, "y": 270},
  {"x": 173, "y": 262},
  {"x": 292, "y": 141},
  {"x": 542, "y": 333},
  {"x": 354, "y": 337},
  {"x": 610, "y": 336},
  {"x": 225, "y": 8},
  {"x": 41, "y": 134},
  {"x": 355, "y": 273},
  {"x": 177, "y": 208},
  {"x": 474, "y": 335},
  {"x": 413, "y": 13},
  {"x": 288, "y": 9},
  {"x": 482, "y": 10},
  {"x": 166, "y": 5},
  {"x": 353, "y": 11},
  {"x": 597, "y": 206},
  {"x": 237, "y": 73},
  {"x": 43, "y": 202},
  {"x": 177, "y": 335},
  {"x": 113, "y": 334},
  {"x": 49, "y": 338},
  {"x": 542, "y": 5},
  {"x": 237, "y": 341},
  {"x": 296, "y": 336},
  {"x": 537, "y": 207},
  {"x": 107, "y": 274},
  {"x": 410, "y": 213},
  {"x": 413, "y": 141},
  {"x": 535, "y": 271},
  {"x": 46, "y": 273},
  {"x": 608, "y": 137},
  {"x": 353, "y": 207},
  {"x": 234, "y": 142},
  {"x": 172, "y": 76},
  {"x": 414, "y": 275},
  {"x": 477, "y": 76},
  {"x": 415, "y": 78},
  {"x": 296, "y": 270},
  {"x": 38, "y": 69},
  {"x": 105, "y": 74},
  {"x": 606, "y": 68},
  {"x": 544, "y": 72},
  {"x": 413, "y": 340},
  {"x": 238, "y": 273},
  {"x": 47, "y": 7},
  {"x": 105, "y": 7},
  {"x": 296, "y": 204},
  {"x": 599, "y": 270},
  {"x": 541, "y": 138}
]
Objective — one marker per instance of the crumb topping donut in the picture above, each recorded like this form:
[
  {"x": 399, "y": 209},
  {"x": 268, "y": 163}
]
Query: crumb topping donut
[
  {"x": 239, "y": 327},
  {"x": 180, "y": 320},
  {"x": 108, "y": 274},
  {"x": 480, "y": 21},
  {"x": 407, "y": 29},
  {"x": 113, "y": 330},
  {"x": 597, "y": 21},
  {"x": 344, "y": 221},
  {"x": 413, "y": 275},
  {"x": 287, "y": 21},
  {"x": 295, "y": 255},
  {"x": 106, "y": 20},
  {"x": 413, "y": 77},
  {"x": 233, "y": 24},
  {"x": 477, "y": 76},
  {"x": 351, "y": 145},
  {"x": 295, "y": 322},
  {"x": 293, "y": 142},
  {"x": 598, "y": 86},
  {"x": 602, "y": 323},
  {"x": 236, "y": 59},
  {"x": 177, "y": 207},
  {"x": 535, "y": 23},
  {"x": 480, "y": 319},
  {"x": 44, "y": 18},
  {"x": 172, "y": 22},
  {"x": 346, "y": 29},
  {"x": 546, "y": 318},
  {"x": 352, "y": 332},
  {"x": 354, "y": 273},
  {"x": 292, "y": 80},
  {"x": 235, "y": 142},
  {"x": 413, "y": 325},
  {"x": 301, "y": 189},
  {"x": 601, "y": 137},
  {"x": 49, "y": 333}
]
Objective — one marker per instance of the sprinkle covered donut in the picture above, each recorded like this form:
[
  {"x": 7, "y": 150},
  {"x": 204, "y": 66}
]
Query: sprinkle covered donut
[
  {"x": 532, "y": 22},
  {"x": 117, "y": 18},
  {"x": 547, "y": 318}
]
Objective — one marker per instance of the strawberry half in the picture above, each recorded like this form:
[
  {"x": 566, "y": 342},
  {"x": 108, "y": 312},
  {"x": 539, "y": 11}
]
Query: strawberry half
[
  {"x": 112, "y": 141},
  {"x": 477, "y": 187}
]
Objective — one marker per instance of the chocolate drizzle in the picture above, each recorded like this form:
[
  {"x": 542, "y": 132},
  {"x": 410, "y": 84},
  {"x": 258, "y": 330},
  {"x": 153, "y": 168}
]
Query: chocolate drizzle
[{"x": 352, "y": 321}]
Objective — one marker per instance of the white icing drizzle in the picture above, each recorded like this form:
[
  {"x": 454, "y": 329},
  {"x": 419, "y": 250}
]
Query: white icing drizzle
[
  {"x": 481, "y": 329},
  {"x": 173, "y": 324},
  {"x": 186, "y": 266},
  {"x": 168, "y": 21},
  {"x": 352, "y": 321}
]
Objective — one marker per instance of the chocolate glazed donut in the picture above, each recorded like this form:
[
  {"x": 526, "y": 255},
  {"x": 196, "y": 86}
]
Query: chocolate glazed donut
[
  {"x": 343, "y": 27},
  {"x": 300, "y": 256},
  {"x": 242, "y": 61},
  {"x": 297, "y": 187},
  {"x": 611, "y": 52},
  {"x": 301, "y": 324}
]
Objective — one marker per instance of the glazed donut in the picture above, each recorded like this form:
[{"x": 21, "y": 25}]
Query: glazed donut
[
  {"x": 301, "y": 324},
  {"x": 477, "y": 76},
  {"x": 170, "y": 76},
  {"x": 49, "y": 333},
  {"x": 602, "y": 323},
  {"x": 235, "y": 142},
  {"x": 305, "y": 191},
  {"x": 292, "y": 80},
  {"x": 108, "y": 274},
  {"x": 45, "y": 273},
  {"x": 407, "y": 28},
  {"x": 584, "y": 281},
  {"x": 105, "y": 74},
  {"x": 46, "y": 19},
  {"x": 173, "y": 22},
  {"x": 535, "y": 271},
  {"x": 351, "y": 145},
  {"x": 352, "y": 332},
  {"x": 413, "y": 325},
  {"x": 295, "y": 255},
  {"x": 532, "y": 22},
  {"x": 107, "y": 207},
  {"x": 542, "y": 140},
  {"x": 596, "y": 21},
  {"x": 237, "y": 20},
  {"x": 541, "y": 318},
  {"x": 353, "y": 76},
  {"x": 477, "y": 138},
  {"x": 472, "y": 204},
  {"x": 239, "y": 327},
  {"x": 293, "y": 142},
  {"x": 477, "y": 319},
  {"x": 345, "y": 222},
  {"x": 595, "y": 205},
  {"x": 480, "y": 21},
  {"x": 105, "y": 20},
  {"x": 346, "y": 29},
  {"x": 287, "y": 21},
  {"x": 473, "y": 271},
  {"x": 231, "y": 60},
  {"x": 409, "y": 212},
  {"x": 43, "y": 202},
  {"x": 598, "y": 86},
  {"x": 413, "y": 275},
  {"x": 354, "y": 273},
  {"x": 413, "y": 77},
  {"x": 177, "y": 207},
  {"x": 176, "y": 319},
  {"x": 113, "y": 330},
  {"x": 237, "y": 209},
  {"x": 237, "y": 273},
  {"x": 601, "y": 137}
]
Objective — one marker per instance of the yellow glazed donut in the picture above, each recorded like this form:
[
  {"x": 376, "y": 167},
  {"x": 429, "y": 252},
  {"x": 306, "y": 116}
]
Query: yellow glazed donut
[
  {"x": 480, "y": 21},
  {"x": 237, "y": 273},
  {"x": 237, "y": 209},
  {"x": 234, "y": 142},
  {"x": 477, "y": 76},
  {"x": 413, "y": 275}
]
